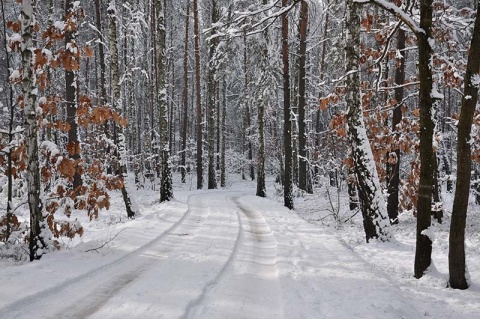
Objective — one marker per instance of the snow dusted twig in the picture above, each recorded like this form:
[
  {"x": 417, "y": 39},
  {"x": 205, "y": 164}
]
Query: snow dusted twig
[
  {"x": 396, "y": 11},
  {"x": 105, "y": 243}
]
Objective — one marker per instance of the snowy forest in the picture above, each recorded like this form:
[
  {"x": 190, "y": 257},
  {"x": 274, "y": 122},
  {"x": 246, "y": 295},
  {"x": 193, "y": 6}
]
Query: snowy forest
[{"x": 359, "y": 116}]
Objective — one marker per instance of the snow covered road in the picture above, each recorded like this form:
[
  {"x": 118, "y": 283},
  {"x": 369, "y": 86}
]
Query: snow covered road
[{"x": 222, "y": 254}]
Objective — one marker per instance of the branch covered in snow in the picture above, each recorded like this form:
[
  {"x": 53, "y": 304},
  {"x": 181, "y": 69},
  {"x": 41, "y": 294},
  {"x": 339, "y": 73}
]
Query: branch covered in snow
[{"x": 396, "y": 11}]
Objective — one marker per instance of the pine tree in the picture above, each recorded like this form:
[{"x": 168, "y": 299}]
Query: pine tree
[
  {"x": 212, "y": 65},
  {"x": 302, "y": 134},
  {"x": 185, "y": 96},
  {"x": 287, "y": 126}
]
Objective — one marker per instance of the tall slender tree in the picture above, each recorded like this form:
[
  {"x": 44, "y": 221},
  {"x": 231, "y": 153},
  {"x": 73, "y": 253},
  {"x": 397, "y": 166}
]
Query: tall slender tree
[
  {"x": 120, "y": 164},
  {"x": 10, "y": 104},
  {"x": 261, "y": 190},
  {"x": 427, "y": 98},
  {"x": 302, "y": 134},
  {"x": 287, "y": 126},
  {"x": 37, "y": 240},
  {"x": 212, "y": 66},
  {"x": 456, "y": 252},
  {"x": 71, "y": 94},
  {"x": 375, "y": 219},
  {"x": 223, "y": 177},
  {"x": 166, "y": 187},
  {"x": 198, "y": 97},
  {"x": 423, "y": 252},
  {"x": 185, "y": 96},
  {"x": 393, "y": 170}
]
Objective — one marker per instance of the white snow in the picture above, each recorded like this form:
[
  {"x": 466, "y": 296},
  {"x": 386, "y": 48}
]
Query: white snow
[
  {"x": 59, "y": 25},
  {"x": 15, "y": 76},
  {"x": 227, "y": 254}
]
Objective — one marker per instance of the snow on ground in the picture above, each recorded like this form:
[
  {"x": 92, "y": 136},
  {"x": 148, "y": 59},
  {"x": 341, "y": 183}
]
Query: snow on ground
[{"x": 228, "y": 254}]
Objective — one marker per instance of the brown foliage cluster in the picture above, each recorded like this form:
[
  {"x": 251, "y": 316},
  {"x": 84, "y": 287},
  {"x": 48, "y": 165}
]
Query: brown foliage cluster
[{"x": 57, "y": 167}]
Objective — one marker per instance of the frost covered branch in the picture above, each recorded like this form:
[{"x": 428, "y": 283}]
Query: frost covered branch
[{"x": 396, "y": 11}]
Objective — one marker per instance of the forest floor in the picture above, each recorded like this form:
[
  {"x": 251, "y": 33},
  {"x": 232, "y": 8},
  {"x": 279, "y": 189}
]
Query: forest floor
[{"x": 228, "y": 254}]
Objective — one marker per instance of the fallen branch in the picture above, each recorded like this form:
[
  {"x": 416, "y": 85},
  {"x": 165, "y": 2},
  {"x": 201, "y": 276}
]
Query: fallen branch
[{"x": 105, "y": 243}]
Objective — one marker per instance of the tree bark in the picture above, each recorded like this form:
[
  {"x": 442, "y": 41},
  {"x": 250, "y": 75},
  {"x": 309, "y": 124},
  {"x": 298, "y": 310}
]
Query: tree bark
[
  {"x": 248, "y": 119},
  {"x": 393, "y": 170},
  {"x": 36, "y": 237},
  {"x": 261, "y": 189},
  {"x": 372, "y": 205},
  {"x": 223, "y": 177},
  {"x": 71, "y": 101},
  {"x": 198, "y": 97},
  {"x": 120, "y": 164},
  {"x": 287, "y": 126},
  {"x": 185, "y": 96},
  {"x": 166, "y": 187},
  {"x": 423, "y": 252},
  {"x": 101, "y": 54},
  {"x": 302, "y": 137},
  {"x": 11, "y": 108},
  {"x": 456, "y": 253},
  {"x": 212, "y": 180}
]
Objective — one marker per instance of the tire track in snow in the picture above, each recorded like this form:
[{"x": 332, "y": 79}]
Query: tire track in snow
[
  {"x": 98, "y": 281},
  {"x": 196, "y": 267},
  {"x": 194, "y": 305},
  {"x": 247, "y": 285}
]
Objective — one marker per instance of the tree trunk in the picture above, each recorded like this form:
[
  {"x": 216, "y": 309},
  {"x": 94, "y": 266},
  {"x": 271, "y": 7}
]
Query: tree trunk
[
  {"x": 198, "y": 97},
  {"x": 456, "y": 253},
  {"x": 11, "y": 108},
  {"x": 393, "y": 170},
  {"x": 261, "y": 189},
  {"x": 223, "y": 177},
  {"x": 287, "y": 128},
  {"x": 318, "y": 126},
  {"x": 212, "y": 179},
  {"x": 423, "y": 252},
  {"x": 248, "y": 119},
  {"x": 120, "y": 161},
  {"x": 101, "y": 54},
  {"x": 166, "y": 187},
  {"x": 185, "y": 96},
  {"x": 71, "y": 101},
  {"x": 302, "y": 137},
  {"x": 371, "y": 199},
  {"x": 437, "y": 207},
  {"x": 29, "y": 90}
]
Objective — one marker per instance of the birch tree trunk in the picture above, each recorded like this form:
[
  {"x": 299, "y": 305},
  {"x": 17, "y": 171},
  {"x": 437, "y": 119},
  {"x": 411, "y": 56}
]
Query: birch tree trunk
[
  {"x": 375, "y": 218},
  {"x": 456, "y": 252},
  {"x": 36, "y": 238},
  {"x": 120, "y": 161}
]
